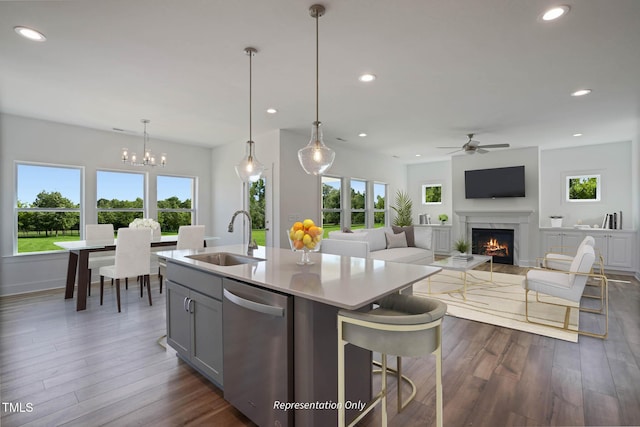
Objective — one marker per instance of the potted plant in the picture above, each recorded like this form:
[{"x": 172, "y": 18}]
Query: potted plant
[
  {"x": 403, "y": 207},
  {"x": 443, "y": 218},
  {"x": 461, "y": 246}
]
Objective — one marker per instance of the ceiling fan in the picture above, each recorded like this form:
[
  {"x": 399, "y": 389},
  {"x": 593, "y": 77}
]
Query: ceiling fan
[{"x": 472, "y": 146}]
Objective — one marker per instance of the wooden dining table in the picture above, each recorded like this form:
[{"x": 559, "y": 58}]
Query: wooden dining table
[{"x": 79, "y": 251}]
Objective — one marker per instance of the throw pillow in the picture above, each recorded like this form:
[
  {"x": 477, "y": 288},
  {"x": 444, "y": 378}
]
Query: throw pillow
[
  {"x": 408, "y": 231},
  {"x": 394, "y": 240}
]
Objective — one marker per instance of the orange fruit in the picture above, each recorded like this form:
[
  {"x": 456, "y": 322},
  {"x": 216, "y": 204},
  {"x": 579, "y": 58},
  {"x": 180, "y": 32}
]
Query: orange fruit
[
  {"x": 298, "y": 226},
  {"x": 298, "y": 244},
  {"x": 314, "y": 231}
]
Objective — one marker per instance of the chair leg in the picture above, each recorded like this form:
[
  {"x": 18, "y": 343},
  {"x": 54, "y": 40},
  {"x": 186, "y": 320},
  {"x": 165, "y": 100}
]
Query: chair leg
[
  {"x": 89, "y": 283},
  {"x": 126, "y": 283},
  {"x": 101, "y": 288},
  {"x": 141, "y": 279},
  {"x": 148, "y": 280},
  {"x": 160, "y": 278},
  {"x": 118, "y": 293}
]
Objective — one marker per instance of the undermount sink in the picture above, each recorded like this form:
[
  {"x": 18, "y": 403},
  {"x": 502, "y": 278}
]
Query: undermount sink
[{"x": 224, "y": 258}]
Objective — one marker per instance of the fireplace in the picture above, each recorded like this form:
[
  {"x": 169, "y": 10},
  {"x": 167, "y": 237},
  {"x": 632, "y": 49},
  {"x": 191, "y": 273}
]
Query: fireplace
[{"x": 493, "y": 241}]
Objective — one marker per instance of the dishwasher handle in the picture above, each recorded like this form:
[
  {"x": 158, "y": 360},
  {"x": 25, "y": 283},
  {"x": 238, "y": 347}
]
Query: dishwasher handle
[{"x": 254, "y": 306}]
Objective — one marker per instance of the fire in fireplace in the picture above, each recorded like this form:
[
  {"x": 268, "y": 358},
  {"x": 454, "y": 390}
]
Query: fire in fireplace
[{"x": 495, "y": 242}]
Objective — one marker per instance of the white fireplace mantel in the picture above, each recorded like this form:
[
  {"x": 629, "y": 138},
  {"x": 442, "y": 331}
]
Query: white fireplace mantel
[{"x": 518, "y": 220}]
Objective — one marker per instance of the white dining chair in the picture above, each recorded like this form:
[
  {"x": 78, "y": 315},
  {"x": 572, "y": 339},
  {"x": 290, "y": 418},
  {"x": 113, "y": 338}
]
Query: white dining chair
[
  {"x": 189, "y": 237},
  {"x": 133, "y": 250},
  {"x": 98, "y": 234}
]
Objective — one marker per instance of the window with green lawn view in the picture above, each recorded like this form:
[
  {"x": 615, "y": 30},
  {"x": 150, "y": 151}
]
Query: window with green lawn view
[
  {"x": 120, "y": 197},
  {"x": 583, "y": 188},
  {"x": 176, "y": 202},
  {"x": 379, "y": 204},
  {"x": 257, "y": 207},
  {"x": 48, "y": 207},
  {"x": 358, "y": 204},
  {"x": 331, "y": 206}
]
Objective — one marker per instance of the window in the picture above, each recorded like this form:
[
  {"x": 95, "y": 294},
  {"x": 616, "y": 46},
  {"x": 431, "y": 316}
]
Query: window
[
  {"x": 257, "y": 209},
  {"x": 358, "y": 203},
  {"x": 176, "y": 207},
  {"x": 432, "y": 194},
  {"x": 379, "y": 204},
  {"x": 120, "y": 197},
  {"x": 48, "y": 207},
  {"x": 331, "y": 206},
  {"x": 583, "y": 188}
]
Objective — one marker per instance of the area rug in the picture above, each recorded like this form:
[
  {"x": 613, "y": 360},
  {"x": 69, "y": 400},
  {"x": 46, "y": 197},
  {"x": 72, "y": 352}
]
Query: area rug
[{"x": 499, "y": 302}]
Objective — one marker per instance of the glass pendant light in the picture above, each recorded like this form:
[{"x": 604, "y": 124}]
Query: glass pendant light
[
  {"x": 250, "y": 169},
  {"x": 316, "y": 157}
]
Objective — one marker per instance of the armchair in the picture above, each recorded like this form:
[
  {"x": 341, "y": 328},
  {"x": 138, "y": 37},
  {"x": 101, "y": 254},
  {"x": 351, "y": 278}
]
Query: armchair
[
  {"x": 568, "y": 285},
  {"x": 559, "y": 258}
]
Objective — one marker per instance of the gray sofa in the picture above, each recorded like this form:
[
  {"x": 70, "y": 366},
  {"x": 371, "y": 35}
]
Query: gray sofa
[{"x": 383, "y": 244}]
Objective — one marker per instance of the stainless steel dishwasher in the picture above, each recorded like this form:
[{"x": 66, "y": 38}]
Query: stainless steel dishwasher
[{"x": 258, "y": 352}]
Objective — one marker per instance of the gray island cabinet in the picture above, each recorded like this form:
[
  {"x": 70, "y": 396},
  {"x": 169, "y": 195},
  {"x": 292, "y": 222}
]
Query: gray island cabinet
[
  {"x": 200, "y": 296},
  {"x": 194, "y": 319}
]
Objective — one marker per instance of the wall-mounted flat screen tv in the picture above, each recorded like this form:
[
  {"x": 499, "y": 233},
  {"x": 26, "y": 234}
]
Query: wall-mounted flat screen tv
[{"x": 494, "y": 183}]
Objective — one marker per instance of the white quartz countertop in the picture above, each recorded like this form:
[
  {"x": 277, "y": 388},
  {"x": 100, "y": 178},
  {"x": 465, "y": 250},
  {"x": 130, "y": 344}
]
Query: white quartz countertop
[{"x": 340, "y": 281}]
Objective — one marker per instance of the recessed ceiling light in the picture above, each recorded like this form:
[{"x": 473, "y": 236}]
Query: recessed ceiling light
[
  {"x": 581, "y": 92},
  {"x": 362, "y": 135},
  {"x": 271, "y": 110},
  {"x": 418, "y": 155},
  {"x": 577, "y": 134},
  {"x": 367, "y": 78},
  {"x": 29, "y": 33},
  {"x": 555, "y": 13}
]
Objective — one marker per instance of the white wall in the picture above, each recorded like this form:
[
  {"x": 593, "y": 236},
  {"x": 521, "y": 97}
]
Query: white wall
[
  {"x": 430, "y": 173},
  {"x": 613, "y": 162},
  {"x": 32, "y": 140}
]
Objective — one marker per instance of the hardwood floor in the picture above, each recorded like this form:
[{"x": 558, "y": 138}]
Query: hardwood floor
[{"x": 99, "y": 367}]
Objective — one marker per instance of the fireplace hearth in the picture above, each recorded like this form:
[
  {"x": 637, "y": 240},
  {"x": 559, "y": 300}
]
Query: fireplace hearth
[{"x": 498, "y": 243}]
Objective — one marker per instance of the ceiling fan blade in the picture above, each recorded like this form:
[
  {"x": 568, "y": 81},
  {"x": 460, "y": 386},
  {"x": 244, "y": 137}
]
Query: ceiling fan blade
[
  {"x": 448, "y": 147},
  {"x": 454, "y": 151},
  {"x": 481, "y": 151},
  {"x": 472, "y": 143},
  {"x": 494, "y": 146}
]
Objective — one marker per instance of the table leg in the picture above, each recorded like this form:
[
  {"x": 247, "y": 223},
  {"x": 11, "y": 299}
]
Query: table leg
[
  {"x": 83, "y": 270},
  {"x": 71, "y": 275}
]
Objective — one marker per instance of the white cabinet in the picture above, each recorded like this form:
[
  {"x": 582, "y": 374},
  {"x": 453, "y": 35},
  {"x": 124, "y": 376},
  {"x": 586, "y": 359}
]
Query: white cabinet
[
  {"x": 561, "y": 241},
  {"x": 440, "y": 239},
  {"x": 617, "y": 247}
]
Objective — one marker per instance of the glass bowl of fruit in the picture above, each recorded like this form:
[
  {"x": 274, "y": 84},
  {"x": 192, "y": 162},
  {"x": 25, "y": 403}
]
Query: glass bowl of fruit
[{"x": 305, "y": 237}]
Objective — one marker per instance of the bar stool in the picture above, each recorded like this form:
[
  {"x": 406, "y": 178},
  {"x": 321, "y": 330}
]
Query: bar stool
[{"x": 402, "y": 325}]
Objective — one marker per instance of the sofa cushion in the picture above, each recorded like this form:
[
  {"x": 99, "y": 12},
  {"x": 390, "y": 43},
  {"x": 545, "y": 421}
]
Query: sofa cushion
[
  {"x": 407, "y": 255},
  {"x": 340, "y": 235},
  {"x": 375, "y": 237},
  {"x": 423, "y": 236},
  {"x": 408, "y": 231},
  {"x": 394, "y": 240}
]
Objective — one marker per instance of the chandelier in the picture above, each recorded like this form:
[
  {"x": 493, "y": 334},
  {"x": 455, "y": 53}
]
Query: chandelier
[
  {"x": 148, "y": 158},
  {"x": 250, "y": 169},
  {"x": 316, "y": 157}
]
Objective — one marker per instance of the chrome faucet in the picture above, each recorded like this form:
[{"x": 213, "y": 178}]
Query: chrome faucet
[{"x": 252, "y": 243}]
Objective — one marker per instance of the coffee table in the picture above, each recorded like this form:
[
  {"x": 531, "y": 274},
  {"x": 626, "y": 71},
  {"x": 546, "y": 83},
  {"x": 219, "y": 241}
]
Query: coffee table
[{"x": 463, "y": 266}]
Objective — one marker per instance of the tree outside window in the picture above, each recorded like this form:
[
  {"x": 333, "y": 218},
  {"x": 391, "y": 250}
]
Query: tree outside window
[
  {"x": 176, "y": 207},
  {"x": 120, "y": 197},
  {"x": 48, "y": 206},
  {"x": 379, "y": 204},
  {"x": 331, "y": 206},
  {"x": 358, "y": 203}
]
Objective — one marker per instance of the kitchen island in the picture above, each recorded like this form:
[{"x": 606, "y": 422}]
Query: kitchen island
[{"x": 289, "y": 355}]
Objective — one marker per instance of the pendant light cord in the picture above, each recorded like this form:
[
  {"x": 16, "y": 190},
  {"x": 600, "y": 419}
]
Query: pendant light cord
[
  {"x": 250, "y": 98},
  {"x": 317, "y": 70}
]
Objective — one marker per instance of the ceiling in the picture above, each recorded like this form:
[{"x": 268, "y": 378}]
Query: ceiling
[{"x": 444, "y": 69}]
